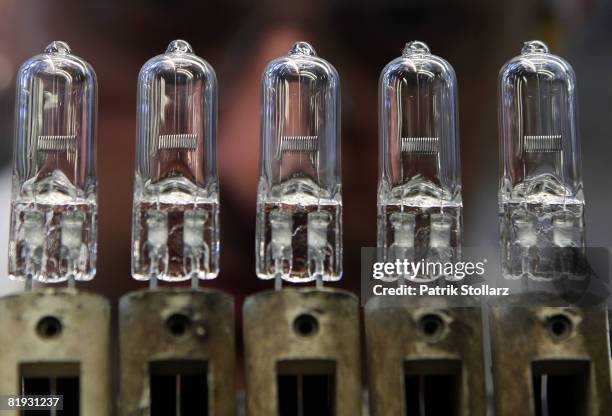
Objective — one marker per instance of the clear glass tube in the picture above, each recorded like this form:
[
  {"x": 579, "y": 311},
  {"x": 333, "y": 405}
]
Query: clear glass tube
[
  {"x": 541, "y": 203},
  {"x": 419, "y": 194},
  {"x": 176, "y": 204},
  {"x": 299, "y": 207},
  {"x": 54, "y": 205}
]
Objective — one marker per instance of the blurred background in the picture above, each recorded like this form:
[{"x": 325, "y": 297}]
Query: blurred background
[{"x": 358, "y": 37}]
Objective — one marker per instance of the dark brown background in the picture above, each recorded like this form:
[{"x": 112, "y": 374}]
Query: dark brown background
[{"x": 359, "y": 37}]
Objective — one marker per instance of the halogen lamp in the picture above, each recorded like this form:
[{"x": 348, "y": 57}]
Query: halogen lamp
[
  {"x": 53, "y": 204},
  {"x": 299, "y": 208},
  {"x": 541, "y": 203},
  {"x": 176, "y": 206},
  {"x": 419, "y": 193}
]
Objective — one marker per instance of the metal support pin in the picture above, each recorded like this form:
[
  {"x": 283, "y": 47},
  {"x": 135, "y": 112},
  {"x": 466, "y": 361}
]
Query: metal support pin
[
  {"x": 281, "y": 249},
  {"x": 157, "y": 240},
  {"x": 318, "y": 224},
  {"x": 72, "y": 243},
  {"x": 33, "y": 254},
  {"x": 195, "y": 249}
]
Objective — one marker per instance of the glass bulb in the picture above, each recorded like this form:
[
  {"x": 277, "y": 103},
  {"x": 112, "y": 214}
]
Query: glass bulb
[
  {"x": 419, "y": 195},
  {"x": 540, "y": 196},
  {"x": 54, "y": 201},
  {"x": 299, "y": 207},
  {"x": 176, "y": 203}
]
